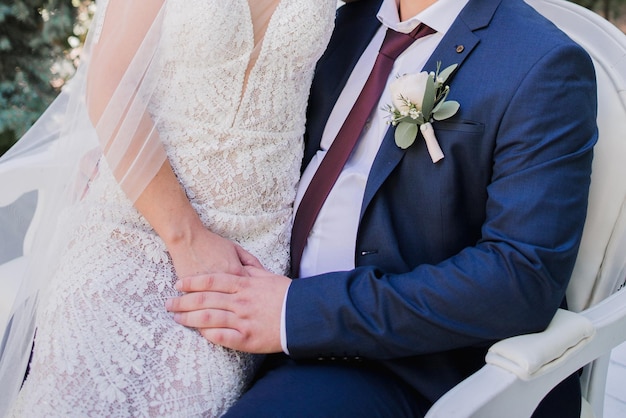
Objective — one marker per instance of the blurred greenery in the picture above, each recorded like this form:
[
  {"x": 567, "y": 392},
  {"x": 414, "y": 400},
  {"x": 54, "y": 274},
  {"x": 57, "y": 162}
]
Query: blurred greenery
[
  {"x": 40, "y": 41},
  {"x": 611, "y": 10},
  {"x": 39, "y": 45}
]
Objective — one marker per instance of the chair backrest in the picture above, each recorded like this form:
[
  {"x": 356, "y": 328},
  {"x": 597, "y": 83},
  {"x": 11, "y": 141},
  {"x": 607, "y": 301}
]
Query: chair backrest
[
  {"x": 601, "y": 263},
  {"x": 20, "y": 177},
  {"x": 24, "y": 191},
  {"x": 600, "y": 268}
]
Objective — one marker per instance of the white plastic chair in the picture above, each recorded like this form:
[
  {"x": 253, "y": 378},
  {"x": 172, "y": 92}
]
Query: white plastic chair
[{"x": 520, "y": 371}]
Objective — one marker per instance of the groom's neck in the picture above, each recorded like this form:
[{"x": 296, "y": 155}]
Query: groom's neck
[{"x": 409, "y": 8}]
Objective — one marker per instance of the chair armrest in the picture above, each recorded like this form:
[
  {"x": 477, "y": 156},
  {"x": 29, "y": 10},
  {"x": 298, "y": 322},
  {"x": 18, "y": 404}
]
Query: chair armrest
[
  {"x": 533, "y": 354},
  {"x": 515, "y": 380}
]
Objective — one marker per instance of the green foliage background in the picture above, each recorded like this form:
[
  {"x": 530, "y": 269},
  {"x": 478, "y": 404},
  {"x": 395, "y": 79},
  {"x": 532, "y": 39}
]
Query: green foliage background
[
  {"x": 40, "y": 41},
  {"x": 609, "y": 9}
]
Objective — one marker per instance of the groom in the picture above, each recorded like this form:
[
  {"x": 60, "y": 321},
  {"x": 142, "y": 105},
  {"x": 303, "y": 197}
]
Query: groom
[{"x": 412, "y": 269}]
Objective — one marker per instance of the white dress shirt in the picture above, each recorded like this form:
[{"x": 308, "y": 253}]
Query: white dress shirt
[{"x": 331, "y": 243}]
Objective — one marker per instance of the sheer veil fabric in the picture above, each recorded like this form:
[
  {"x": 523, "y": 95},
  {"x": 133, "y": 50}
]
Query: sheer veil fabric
[{"x": 101, "y": 117}]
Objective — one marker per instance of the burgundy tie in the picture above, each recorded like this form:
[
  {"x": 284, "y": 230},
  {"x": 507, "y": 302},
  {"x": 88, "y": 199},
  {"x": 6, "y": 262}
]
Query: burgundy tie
[{"x": 337, "y": 155}]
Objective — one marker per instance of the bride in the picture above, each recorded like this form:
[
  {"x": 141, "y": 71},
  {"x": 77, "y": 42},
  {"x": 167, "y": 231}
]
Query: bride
[{"x": 180, "y": 153}]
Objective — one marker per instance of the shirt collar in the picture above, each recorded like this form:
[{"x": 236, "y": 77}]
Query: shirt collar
[{"x": 439, "y": 16}]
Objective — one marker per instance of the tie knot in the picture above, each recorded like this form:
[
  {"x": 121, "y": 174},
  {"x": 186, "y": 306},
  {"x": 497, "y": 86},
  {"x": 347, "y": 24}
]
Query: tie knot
[{"x": 396, "y": 42}]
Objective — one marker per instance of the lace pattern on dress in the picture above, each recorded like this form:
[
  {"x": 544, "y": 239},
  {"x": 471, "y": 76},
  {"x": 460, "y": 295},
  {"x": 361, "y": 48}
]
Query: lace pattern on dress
[{"x": 105, "y": 344}]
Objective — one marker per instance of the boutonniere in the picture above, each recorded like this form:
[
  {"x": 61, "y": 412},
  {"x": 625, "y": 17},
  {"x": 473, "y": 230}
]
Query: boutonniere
[{"x": 417, "y": 100}]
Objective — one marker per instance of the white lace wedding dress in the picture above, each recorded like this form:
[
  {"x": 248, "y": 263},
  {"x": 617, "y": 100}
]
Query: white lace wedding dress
[{"x": 105, "y": 345}]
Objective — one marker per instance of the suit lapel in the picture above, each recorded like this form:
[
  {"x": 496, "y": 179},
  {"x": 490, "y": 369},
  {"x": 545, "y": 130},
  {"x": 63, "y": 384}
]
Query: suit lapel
[
  {"x": 460, "y": 39},
  {"x": 355, "y": 27},
  {"x": 455, "y": 47}
]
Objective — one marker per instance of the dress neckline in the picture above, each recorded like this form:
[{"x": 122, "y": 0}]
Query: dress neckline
[{"x": 257, "y": 54}]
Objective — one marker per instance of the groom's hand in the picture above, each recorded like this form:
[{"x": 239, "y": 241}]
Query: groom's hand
[{"x": 242, "y": 313}]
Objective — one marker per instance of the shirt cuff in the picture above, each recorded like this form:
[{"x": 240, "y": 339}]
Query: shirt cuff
[{"x": 283, "y": 325}]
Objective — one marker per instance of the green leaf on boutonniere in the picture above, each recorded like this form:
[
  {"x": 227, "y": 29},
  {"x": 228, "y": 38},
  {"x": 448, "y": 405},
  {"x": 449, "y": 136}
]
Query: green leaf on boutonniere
[
  {"x": 430, "y": 93},
  {"x": 445, "y": 110},
  {"x": 405, "y": 134},
  {"x": 443, "y": 98},
  {"x": 446, "y": 73}
]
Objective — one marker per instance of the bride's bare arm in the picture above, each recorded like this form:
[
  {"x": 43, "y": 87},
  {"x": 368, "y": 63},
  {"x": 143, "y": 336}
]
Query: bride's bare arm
[
  {"x": 162, "y": 201},
  {"x": 194, "y": 249}
]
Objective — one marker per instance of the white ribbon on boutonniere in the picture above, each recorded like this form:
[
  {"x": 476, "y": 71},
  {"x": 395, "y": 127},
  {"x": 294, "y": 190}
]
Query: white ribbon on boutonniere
[{"x": 417, "y": 100}]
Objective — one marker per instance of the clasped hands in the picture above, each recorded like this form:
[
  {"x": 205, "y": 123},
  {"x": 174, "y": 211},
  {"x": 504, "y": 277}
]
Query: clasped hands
[{"x": 235, "y": 302}]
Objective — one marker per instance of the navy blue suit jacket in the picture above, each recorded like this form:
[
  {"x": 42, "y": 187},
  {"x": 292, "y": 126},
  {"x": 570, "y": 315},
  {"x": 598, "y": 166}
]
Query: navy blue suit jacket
[{"x": 456, "y": 255}]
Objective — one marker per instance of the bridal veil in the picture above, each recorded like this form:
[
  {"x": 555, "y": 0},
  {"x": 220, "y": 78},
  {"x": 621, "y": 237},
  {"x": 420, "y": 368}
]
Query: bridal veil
[{"x": 101, "y": 117}]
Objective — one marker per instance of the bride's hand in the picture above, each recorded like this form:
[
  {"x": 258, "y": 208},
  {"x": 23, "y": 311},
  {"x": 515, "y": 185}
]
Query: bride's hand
[
  {"x": 207, "y": 252},
  {"x": 193, "y": 248}
]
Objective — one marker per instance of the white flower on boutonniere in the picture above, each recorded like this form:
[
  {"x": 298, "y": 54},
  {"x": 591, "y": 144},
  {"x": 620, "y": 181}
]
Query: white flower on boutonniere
[{"x": 417, "y": 100}]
